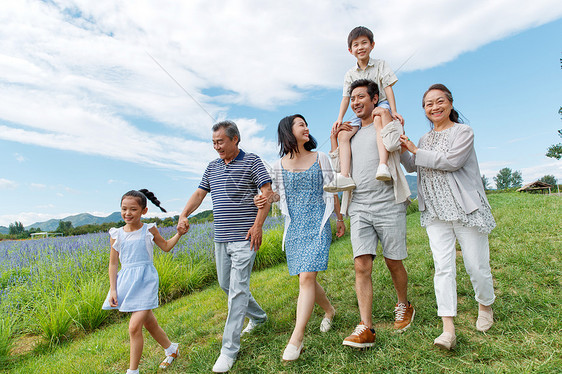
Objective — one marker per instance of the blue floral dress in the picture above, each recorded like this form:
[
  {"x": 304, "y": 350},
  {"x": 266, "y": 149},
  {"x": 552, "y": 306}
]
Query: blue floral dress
[{"x": 306, "y": 246}]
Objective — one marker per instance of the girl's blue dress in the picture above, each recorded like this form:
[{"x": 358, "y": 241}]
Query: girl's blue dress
[
  {"x": 306, "y": 246},
  {"x": 137, "y": 281}
]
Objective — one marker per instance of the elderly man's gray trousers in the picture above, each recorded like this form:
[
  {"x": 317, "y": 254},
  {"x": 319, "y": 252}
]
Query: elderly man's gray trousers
[{"x": 234, "y": 265}]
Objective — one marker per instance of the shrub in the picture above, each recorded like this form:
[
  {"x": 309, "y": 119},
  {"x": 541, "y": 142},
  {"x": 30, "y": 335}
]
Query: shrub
[
  {"x": 270, "y": 252},
  {"x": 6, "y": 339},
  {"x": 413, "y": 207},
  {"x": 91, "y": 295},
  {"x": 53, "y": 317}
]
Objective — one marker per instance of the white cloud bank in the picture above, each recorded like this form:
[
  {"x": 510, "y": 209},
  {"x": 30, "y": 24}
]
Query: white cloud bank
[
  {"x": 7, "y": 184},
  {"x": 78, "y": 75}
]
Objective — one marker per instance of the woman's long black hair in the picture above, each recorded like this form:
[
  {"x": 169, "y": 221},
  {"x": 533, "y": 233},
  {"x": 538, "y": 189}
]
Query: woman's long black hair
[{"x": 286, "y": 139}]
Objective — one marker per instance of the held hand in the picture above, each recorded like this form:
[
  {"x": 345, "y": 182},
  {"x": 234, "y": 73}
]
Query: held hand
[
  {"x": 340, "y": 229},
  {"x": 398, "y": 117},
  {"x": 182, "y": 230},
  {"x": 346, "y": 126},
  {"x": 408, "y": 144},
  {"x": 255, "y": 236},
  {"x": 335, "y": 126},
  {"x": 183, "y": 224},
  {"x": 378, "y": 111},
  {"x": 260, "y": 201},
  {"x": 113, "y": 299}
]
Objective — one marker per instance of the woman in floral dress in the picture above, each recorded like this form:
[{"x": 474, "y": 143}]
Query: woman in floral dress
[{"x": 298, "y": 179}]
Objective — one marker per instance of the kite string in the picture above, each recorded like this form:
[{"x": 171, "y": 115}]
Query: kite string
[
  {"x": 213, "y": 118},
  {"x": 180, "y": 86}
]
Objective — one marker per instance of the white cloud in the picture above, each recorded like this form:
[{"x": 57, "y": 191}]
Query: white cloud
[
  {"x": 78, "y": 75},
  {"x": 19, "y": 158},
  {"x": 550, "y": 167},
  {"x": 7, "y": 184},
  {"x": 28, "y": 218},
  {"x": 37, "y": 186},
  {"x": 45, "y": 206},
  {"x": 116, "y": 181},
  {"x": 529, "y": 174}
]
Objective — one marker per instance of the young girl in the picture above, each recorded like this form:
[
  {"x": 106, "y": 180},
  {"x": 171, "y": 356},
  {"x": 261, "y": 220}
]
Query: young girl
[{"x": 135, "y": 288}]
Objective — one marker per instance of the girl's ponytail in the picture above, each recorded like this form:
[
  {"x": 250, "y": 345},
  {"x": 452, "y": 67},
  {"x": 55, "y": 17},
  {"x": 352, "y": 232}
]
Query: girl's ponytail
[
  {"x": 150, "y": 196},
  {"x": 142, "y": 195}
]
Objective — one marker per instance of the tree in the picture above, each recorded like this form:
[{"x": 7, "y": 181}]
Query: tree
[
  {"x": 65, "y": 227},
  {"x": 516, "y": 179},
  {"x": 503, "y": 179},
  {"x": 485, "y": 183},
  {"x": 555, "y": 150},
  {"x": 549, "y": 179},
  {"x": 507, "y": 179},
  {"x": 16, "y": 228}
]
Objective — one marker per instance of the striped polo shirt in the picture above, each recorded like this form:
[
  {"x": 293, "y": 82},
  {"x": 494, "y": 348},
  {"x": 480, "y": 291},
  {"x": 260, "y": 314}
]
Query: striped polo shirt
[{"x": 233, "y": 187}]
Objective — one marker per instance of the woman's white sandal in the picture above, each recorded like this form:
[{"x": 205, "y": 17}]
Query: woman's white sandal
[{"x": 326, "y": 324}]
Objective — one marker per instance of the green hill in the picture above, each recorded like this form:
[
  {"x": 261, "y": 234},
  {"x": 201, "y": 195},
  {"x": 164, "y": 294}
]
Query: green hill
[
  {"x": 202, "y": 215},
  {"x": 76, "y": 220}
]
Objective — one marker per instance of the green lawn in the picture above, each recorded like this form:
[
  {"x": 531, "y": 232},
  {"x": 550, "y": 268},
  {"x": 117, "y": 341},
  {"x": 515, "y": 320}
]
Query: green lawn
[{"x": 526, "y": 264}]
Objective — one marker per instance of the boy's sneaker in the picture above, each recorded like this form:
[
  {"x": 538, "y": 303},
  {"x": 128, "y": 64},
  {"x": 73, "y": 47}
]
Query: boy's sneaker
[
  {"x": 383, "y": 174},
  {"x": 404, "y": 315},
  {"x": 362, "y": 337},
  {"x": 340, "y": 183},
  {"x": 251, "y": 326}
]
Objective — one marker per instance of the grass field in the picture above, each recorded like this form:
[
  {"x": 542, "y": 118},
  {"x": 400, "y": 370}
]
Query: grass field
[{"x": 526, "y": 255}]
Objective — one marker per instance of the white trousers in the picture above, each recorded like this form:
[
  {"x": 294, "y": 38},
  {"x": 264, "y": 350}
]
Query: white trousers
[{"x": 476, "y": 256}]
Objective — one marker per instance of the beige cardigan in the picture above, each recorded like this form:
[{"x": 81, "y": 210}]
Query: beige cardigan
[
  {"x": 459, "y": 162},
  {"x": 391, "y": 139}
]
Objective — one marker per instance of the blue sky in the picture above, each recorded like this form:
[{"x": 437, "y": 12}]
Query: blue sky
[{"x": 87, "y": 114}]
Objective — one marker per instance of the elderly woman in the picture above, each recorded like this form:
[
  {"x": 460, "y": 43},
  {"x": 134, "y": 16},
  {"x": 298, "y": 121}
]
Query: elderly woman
[{"x": 453, "y": 207}]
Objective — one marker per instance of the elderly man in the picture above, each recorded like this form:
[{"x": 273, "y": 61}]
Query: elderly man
[
  {"x": 233, "y": 179},
  {"x": 377, "y": 210}
]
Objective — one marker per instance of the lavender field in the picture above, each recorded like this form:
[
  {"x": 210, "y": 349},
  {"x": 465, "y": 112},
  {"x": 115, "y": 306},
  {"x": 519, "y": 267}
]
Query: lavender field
[{"x": 54, "y": 287}]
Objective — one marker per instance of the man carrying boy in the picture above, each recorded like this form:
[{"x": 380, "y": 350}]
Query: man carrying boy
[
  {"x": 233, "y": 179},
  {"x": 360, "y": 43},
  {"x": 377, "y": 211}
]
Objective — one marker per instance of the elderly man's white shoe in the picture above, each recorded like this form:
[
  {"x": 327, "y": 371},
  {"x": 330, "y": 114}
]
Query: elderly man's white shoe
[{"x": 223, "y": 364}]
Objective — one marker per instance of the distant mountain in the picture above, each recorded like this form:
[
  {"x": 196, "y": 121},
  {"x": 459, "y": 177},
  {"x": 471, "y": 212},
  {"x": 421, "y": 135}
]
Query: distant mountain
[
  {"x": 202, "y": 215},
  {"x": 87, "y": 219},
  {"x": 77, "y": 220},
  {"x": 413, "y": 184},
  {"x": 4, "y": 230}
]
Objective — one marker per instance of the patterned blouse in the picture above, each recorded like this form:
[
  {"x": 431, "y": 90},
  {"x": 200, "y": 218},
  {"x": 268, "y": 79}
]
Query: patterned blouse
[{"x": 439, "y": 200}]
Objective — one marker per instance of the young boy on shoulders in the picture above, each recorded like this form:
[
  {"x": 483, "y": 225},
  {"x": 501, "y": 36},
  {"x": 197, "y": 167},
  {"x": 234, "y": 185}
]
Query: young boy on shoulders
[{"x": 360, "y": 44}]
